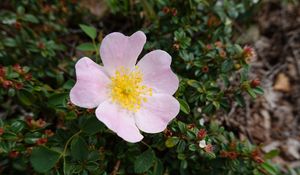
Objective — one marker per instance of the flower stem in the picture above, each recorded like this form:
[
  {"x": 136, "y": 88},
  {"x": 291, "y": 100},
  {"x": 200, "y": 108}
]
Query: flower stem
[
  {"x": 97, "y": 52},
  {"x": 63, "y": 154},
  {"x": 146, "y": 144}
]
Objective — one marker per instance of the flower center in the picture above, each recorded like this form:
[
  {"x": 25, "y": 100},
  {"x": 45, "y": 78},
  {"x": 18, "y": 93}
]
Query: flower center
[{"x": 127, "y": 89}]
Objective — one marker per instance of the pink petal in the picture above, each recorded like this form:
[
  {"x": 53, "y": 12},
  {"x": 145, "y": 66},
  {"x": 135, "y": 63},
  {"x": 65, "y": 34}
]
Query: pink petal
[
  {"x": 90, "y": 88},
  {"x": 157, "y": 73},
  {"x": 156, "y": 113},
  {"x": 118, "y": 50},
  {"x": 119, "y": 121}
]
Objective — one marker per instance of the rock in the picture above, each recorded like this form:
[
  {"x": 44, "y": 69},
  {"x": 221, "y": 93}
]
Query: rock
[
  {"x": 291, "y": 148},
  {"x": 282, "y": 83}
]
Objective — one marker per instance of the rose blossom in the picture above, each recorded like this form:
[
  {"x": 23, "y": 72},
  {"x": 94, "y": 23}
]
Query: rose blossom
[{"x": 128, "y": 97}]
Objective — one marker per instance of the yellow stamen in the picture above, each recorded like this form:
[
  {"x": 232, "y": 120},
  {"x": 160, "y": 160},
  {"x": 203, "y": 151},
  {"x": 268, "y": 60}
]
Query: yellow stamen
[{"x": 127, "y": 89}]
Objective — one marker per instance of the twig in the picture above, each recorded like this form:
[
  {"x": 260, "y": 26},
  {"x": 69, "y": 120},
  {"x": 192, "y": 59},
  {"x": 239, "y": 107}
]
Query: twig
[
  {"x": 247, "y": 116},
  {"x": 116, "y": 168},
  {"x": 274, "y": 70}
]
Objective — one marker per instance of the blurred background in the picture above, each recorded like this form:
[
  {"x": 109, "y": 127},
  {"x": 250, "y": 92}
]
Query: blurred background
[{"x": 273, "y": 119}]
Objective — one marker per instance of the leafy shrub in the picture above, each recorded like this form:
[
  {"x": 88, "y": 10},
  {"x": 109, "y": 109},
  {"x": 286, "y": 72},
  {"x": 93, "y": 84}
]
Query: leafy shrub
[{"x": 42, "y": 132}]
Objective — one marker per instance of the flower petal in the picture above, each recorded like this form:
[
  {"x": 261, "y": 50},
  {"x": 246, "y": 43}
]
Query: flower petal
[
  {"x": 156, "y": 113},
  {"x": 90, "y": 88},
  {"x": 118, "y": 50},
  {"x": 157, "y": 72},
  {"x": 119, "y": 121},
  {"x": 202, "y": 144}
]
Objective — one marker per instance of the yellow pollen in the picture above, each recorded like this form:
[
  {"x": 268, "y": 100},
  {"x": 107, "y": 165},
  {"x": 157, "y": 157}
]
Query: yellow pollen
[{"x": 127, "y": 89}]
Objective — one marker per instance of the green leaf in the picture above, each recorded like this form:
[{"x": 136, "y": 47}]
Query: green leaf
[
  {"x": 79, "y": 148},
  {"x": 30, "y": 18},
  {"x": 144, "y": 161},
  {"x": 181, "y": 126},
  {"x": 225, "y": 80},
  {"x": 9, "y": 136},
  {"x": 68, "y": 84},
  {"x": 208, "y": 108},
  {"x": 251, "y": 92},
  {"x": 171, "y": 142},
  {"x": 43, "y": 159},
  {"x": 240, "y": 100},
  {"x": 25, "y": 97},
  {"x": 1, "y": 123},
  {"x": 31, "y": 138},
  {"x": 181, "y": 156},
  {"x": 86, "y": 47},
  {"x": 213, "y": 127},
  {"x": 258, "y": 90},
  {"x": 158, "y": 168},
  {"x": 17, "y": 126},
  {"x": 9, "y": 42},
  {"x": 238, "y": 48},
  {"x": 71, "y": 115},
  {"x": 183, "y": 164},
  {"x": 11, "y": 92},
  {"x": 150, "y": 13},
  {"x": 68, "y": 168},
  {"x": 271, "y": 154},
  {"x": 193, "y": 147},
  {"x": 12, "y": 75},
  {"x": 233, "y": 13},
  {"x": 245, "y": 73},
  {"x": 58, "y": 99},
  {"x": 269, "y": 168},
  {"x": 210, "y": 155},
  {"x": 4, "y": 147},
  {"x": 20, "y": 10},
  {"x": 89, "y": 30},
  {"x": 181, "y": 146},
  {"x": 257, "y": 172},
  {"x": 227, "y": 66},
  {"x": 191, "y": 134},
  {"x": 94, "y": 156},
  {"x": 198, "y": 64},
  {"x": 92, "y": 125},
  {"x": 216, "y": 104},
  {"x": 193, "y": 83},
  {"x": 184, "y": 106}
]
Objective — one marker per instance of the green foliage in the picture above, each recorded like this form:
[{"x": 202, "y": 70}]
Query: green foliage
[
  {"x": 43, "y": 159},
  {"x": 79, "y": 148},
  {"x": 184, "y": 106},
  {"x": 86, "y": 47},
  {"x": 90, "y": 31},
  {"x": 42, "y": 132},
  {"x": 144, "y": 161}
]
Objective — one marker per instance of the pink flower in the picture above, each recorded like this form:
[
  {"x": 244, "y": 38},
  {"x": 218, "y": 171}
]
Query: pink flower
[{"x": 128, "y": 97}]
